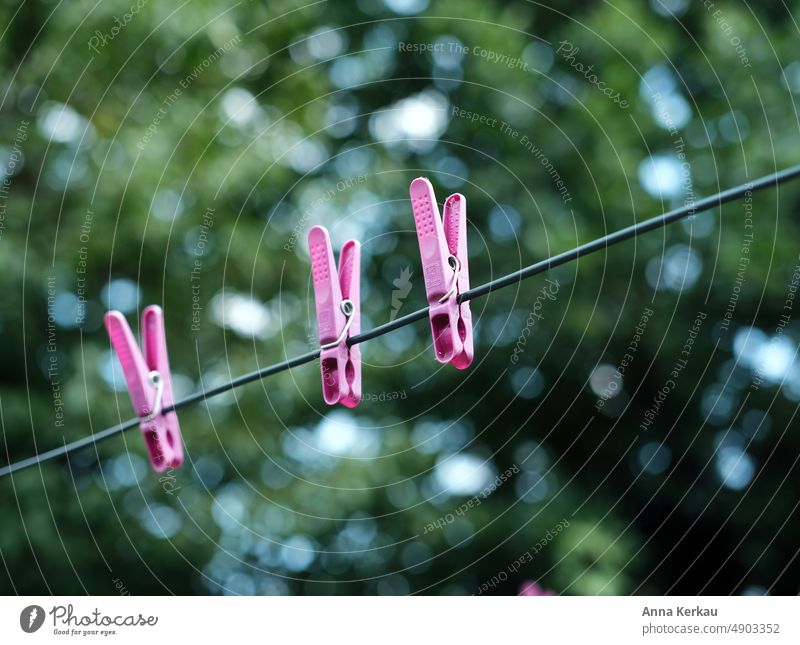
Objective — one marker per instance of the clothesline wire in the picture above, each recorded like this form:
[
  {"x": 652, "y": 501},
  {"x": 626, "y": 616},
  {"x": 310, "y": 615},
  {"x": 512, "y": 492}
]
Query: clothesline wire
[{"x": 705, "y": 204}]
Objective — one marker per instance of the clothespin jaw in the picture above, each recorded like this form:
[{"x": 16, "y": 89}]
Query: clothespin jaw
[
  {"x": 149, "y": 382},
  {"x": 338, "y": 299},
  {"x": 445, "y": 269},
  {"x": 455, "y": 226}
]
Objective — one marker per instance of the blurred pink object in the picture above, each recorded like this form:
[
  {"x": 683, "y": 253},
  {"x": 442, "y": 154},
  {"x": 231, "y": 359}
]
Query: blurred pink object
[{"x": 531, "y": 588}]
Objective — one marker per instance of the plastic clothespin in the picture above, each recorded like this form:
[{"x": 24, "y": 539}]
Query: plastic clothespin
[
  {"x": 149, "y": 384},
  {"x": 445, "y": 268},
  {"x": 338, "y": 299}
]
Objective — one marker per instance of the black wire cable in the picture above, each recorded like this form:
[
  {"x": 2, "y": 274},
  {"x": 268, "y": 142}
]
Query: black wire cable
[{"x": 616, "y": 237}]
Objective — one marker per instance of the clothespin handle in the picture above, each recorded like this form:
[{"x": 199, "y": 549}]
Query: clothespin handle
[
  {"x": 455, "y": 227},
  {"x": 443, "y": 250},
  {"x": 337, "y": 295},
  {"x": 149, "y": 382}
]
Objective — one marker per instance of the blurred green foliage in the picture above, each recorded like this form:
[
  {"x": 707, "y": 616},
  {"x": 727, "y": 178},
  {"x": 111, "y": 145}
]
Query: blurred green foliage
[{"x": 246, "y": 114}]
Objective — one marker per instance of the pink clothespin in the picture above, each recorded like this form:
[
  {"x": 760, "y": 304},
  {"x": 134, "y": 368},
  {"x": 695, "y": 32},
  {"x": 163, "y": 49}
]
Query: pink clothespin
[
  {"x": 338, "y": 298},
  {"x": 445, "y": 268},
  {"x": 149, "y": 384},
  {"x": 532, "y": 588}
]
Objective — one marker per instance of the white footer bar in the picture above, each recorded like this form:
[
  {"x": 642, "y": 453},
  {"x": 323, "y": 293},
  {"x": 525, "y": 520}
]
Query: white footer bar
[{"x": 389, "y": 620}]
